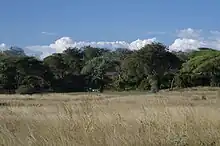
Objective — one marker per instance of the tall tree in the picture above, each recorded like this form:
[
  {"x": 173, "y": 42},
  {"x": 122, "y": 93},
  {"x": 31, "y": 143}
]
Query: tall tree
[
  {"x": 92, "y": 52},
  {"x": 30, "y": 66},
  {"x": 205, "y": 64},
  {"x": 152, "y": 61},
  {"x": 97, "y": 68},
  {"x": 56, "y": 64},
  {"x": 8, "y": 74},
  {"x": 73, "y": 59}
]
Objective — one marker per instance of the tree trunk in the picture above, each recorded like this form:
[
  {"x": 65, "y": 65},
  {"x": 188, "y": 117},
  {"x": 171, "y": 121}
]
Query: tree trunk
[
  {"x": 213, "y": 81},
  {"x": 101, "y": 85},
  {"x": 172, "y": 83},
  {"x": 101, "y": 89},
  {"x": 154, "y": 82}
]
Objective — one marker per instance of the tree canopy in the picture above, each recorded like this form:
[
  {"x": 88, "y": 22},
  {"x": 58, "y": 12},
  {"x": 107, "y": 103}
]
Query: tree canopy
[{"x": 153, "y": 67}]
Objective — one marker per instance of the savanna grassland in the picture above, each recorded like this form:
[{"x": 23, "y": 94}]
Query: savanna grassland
[{"x": 187, "y": 117}]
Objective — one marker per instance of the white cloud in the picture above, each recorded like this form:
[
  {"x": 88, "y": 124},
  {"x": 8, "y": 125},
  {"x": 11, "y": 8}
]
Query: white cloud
[
  {"x": 187, "y": 39},
  {"x": 2, "y": 45},
  {"x": 215, "y": 35},
  {"x": 189, "y": 33},
  {"x": 61, "y": 44},
  {"x": 39, "y": 51},
  {"x": 215, "y": 32},
  {"x": 186, "y": 44},
  {"x": 48, "y": 33},
  {"x": 136, "y": 45},
  {"x": 215, "y": 44},
  {"x": 191, "y": 39}
]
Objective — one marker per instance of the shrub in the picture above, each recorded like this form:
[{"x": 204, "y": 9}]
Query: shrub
[{"x": 144, "y": 85}]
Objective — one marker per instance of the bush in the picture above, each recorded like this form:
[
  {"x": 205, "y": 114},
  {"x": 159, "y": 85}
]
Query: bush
[
  {"x": 154, "y": 82},
  {"x": 183, "y": 80},
  {"x": 144, "y": 85},
  {"x": 166, "y": 81}
]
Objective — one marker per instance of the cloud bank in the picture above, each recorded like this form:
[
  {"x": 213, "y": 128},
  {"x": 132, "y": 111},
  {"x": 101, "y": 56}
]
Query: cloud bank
[
  {"x": 191, "y": 39},
  {"x": 64, "y": 42},
  {"x": 61, "y": 44},
  {"x": 186, "y": 39}
]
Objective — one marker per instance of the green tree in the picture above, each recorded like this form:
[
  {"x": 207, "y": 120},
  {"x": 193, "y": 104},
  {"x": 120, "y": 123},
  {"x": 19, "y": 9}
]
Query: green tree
[
  {"x": 91, "y": 52},
  {"x": 132, "y": 72},
  {"x": 32, "y": 67},
  {"x": 8, "y": 74},
  {"x": 202, "y": 66},
  {"x": 66, "y": 68},
  {"x": 96, "y": 70},
  {"x": 151, "y": 62},
  {"x": 73, "y": 60},
  {"x": 33, "y": 84},
  {"x": 56, "y": 64}
]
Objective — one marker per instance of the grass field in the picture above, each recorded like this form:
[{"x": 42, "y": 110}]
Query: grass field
[{"x": 184, "y": 118}]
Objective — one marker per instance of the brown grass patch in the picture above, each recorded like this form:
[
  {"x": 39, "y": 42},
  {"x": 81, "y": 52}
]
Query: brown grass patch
[{"x": 168, "y": 118}]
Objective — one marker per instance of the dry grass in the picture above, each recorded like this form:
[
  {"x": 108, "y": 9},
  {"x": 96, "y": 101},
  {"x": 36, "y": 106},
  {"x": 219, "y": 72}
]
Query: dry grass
[{"x": 188, "y": 117}]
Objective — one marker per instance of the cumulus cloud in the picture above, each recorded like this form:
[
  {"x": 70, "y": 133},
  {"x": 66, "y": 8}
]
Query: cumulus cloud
[
  {"x": 192, "y": 39},
  {"x": 136, "y": 45},
  {"x": 187, "y": 39},
  {"x": 65, "y": 42},
  {"x": 2, "y": 46},
  {"x": 186, "y": 44},
  {"x": 61, "y": 44},
  {"x": 39, "y": 51}
]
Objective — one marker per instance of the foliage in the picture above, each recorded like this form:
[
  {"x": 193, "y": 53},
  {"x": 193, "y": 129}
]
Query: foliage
[
  {"x": 153, "y": 67},
  {"x": 8, "y": 74},
  {"x": 203, "y": 68},
  {"x": 56, "y": 64},
  {"x": 151, "y": 62},
  {"x": 97, "y": 68},
  {"x": 90, "y": 52},
  {"x": 144, "y": 84}
]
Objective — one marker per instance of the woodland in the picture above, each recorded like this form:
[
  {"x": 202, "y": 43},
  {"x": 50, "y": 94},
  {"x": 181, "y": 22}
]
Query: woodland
[{"x": 87, "y": 69}]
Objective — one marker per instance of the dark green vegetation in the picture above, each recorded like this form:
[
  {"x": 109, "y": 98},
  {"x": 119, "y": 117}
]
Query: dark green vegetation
[{"x": 77, "y": 70}]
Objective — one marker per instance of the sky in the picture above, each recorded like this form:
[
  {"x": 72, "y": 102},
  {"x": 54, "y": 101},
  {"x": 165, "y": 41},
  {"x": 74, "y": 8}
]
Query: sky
[{"x": 49, "y": 26}]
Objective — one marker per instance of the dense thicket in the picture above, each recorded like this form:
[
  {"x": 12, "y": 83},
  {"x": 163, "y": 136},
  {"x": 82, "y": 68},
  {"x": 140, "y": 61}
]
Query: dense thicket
[{"x": 153, "y": 67}]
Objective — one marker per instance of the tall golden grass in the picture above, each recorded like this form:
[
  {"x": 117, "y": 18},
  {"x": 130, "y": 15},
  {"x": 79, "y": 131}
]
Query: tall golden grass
[{"x": 189, "y": 117}]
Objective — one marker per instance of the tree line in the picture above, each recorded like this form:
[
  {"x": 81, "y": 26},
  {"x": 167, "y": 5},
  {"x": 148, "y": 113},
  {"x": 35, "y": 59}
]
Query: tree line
[{"x": 152, "y": 68}]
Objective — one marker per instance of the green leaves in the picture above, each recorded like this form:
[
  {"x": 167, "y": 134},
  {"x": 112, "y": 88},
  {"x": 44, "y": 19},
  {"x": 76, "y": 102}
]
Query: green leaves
[
  {"x": 202, "y": 68},
  {"x": 97, "y": 68},
  {"x": 202, "y": 61},
  {"x": 153, "y": 66},
  {"x": 152, "y": 60}
]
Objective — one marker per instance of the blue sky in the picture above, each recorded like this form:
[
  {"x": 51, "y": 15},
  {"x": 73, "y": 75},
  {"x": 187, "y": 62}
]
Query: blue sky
[{"x": 41, "y": 22}]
